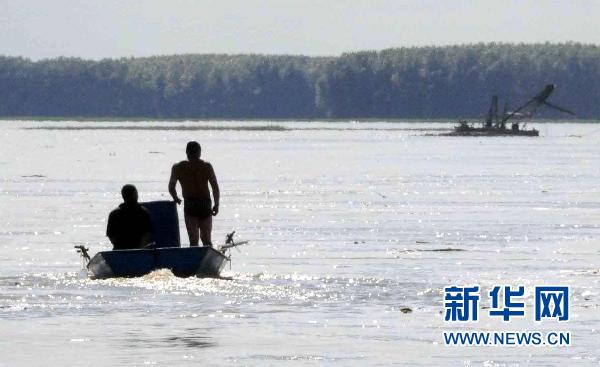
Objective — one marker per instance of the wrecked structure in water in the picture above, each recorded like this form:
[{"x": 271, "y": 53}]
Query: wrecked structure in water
[{"x": 497, "y": 125}]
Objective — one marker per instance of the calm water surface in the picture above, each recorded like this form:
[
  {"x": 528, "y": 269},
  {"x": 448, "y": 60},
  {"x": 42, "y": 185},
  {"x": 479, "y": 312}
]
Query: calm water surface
[{"x": 351, "y": 226}]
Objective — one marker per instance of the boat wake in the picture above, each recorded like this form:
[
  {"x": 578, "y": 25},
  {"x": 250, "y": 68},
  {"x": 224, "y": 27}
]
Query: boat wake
[{"x": 74, "y": 293}]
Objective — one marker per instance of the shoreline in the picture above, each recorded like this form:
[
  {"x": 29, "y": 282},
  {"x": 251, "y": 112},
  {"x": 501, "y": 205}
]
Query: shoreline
[{"x": 448, "y": 120}]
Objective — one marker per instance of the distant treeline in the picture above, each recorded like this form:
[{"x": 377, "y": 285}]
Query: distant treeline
[{"x": 423, "y": 82}]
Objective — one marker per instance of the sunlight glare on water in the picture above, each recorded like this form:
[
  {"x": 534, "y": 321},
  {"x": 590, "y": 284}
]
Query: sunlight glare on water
[{"x": 355, "y": 229}]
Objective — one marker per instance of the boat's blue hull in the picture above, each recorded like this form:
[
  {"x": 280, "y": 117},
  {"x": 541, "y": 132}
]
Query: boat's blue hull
[{"x": 183, "y": 262}]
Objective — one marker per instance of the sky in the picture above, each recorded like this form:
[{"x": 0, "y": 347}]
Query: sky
[{"x": 95, "y": 29}]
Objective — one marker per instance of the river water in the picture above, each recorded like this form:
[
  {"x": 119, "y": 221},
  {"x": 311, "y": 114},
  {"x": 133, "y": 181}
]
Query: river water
[{"x": 355, "y": 229}]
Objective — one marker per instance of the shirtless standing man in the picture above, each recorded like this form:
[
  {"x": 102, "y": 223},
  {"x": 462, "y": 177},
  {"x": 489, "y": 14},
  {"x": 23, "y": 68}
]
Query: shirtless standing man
[{"x": 194, "y": 175}]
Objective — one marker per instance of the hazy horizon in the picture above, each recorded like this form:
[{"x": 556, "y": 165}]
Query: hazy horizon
[
  {"x": 302, "y": 55},
  {"x": 112, "y": 29},
  {"x": 305, "y": 55}
]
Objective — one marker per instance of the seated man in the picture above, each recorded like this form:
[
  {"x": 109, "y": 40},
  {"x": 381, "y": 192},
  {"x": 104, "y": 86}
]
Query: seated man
[{"x": 129, "y": 226}]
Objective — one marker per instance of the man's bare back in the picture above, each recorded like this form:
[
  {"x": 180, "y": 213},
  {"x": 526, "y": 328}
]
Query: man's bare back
[{"x": 195, "y": 175}]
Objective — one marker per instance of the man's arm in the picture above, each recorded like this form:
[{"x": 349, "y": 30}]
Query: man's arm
[
  {"x": 214, "y": 185},
  {"x": 173, "y": 184},
  {"x": 146, "y": 239},
  {"x": 110, "y": 228}
]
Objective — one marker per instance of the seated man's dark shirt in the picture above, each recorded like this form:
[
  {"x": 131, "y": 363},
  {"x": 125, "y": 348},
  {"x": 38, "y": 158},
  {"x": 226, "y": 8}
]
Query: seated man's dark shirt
[{"x": 127, "y": 225}]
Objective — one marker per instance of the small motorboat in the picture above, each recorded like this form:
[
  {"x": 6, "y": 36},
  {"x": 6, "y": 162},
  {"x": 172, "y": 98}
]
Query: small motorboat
[
  {"x": 164, "y": 253},
  {"x": 183, "y": 262}
]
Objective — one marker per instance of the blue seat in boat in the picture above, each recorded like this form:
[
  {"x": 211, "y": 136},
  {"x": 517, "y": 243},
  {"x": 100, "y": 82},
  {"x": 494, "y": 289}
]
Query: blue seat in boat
[{"x": 165, "y": 222}]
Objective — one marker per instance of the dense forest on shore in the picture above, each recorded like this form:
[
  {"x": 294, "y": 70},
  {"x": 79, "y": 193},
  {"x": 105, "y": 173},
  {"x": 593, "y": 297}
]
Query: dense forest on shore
[{"x": 423, "y": 82}]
